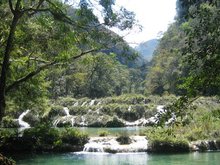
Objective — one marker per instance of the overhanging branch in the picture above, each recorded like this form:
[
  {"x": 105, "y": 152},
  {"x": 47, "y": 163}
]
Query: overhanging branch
[
  {"x": 29, "y": 76},
  {"x": 83, "y": 53},
  {"x": 11, "y": 6},
  {"x": 41, "y": 68}
]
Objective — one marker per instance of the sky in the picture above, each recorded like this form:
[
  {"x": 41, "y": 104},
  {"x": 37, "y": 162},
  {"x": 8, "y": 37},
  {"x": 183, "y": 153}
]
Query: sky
[{"x": 154, "y": 15}]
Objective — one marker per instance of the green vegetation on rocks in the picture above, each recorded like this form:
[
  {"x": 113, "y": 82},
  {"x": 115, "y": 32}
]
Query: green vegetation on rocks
[{"x": 43, "y": 138}]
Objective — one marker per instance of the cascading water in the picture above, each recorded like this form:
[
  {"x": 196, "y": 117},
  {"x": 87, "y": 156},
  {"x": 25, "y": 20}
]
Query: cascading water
[
  {"x": 99, "y": 103},
  {"x": 92, "y": 103},
  {"x": 93, "y": 147},
  {"x": 84, "y": 103},
  {"x": 161, "y": 111},
  {"x": 66, "y": 110},
  {"x": 129, "y": 109},
  {"x": 83, "y": 121},
  {"x": 76, "y": 104},
  {"x": 110, "y": 144},
  {"x": 21, "y": 122}
]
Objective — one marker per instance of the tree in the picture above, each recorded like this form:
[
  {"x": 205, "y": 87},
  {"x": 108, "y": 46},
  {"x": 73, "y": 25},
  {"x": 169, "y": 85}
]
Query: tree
[
  {"x": 202, "y": 49},
  {"x": 94, "y": 76},
  {"x": 183, "y": 8},
  {"x": 81, "y": 35},
  {"x": 166, "y": 70}
]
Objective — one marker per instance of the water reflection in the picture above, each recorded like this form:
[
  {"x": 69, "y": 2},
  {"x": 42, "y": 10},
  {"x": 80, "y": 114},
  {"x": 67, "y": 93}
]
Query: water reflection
[
  {"x": 113, "y": 131},
  {"x": 209, "y": 158},
  {"x": 113, "y": 159}
]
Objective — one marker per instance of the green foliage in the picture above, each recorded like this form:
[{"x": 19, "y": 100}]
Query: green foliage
[
  {"x": 184, "y": 7},
  {"x": 164, "y": 75},
  {"x": 93, "y": 76},
  {"x": 165, "y": 140},
  {"x": 49, "y": 33},
  {"x": 74, "y": 137},
  {"x": 187, "y": 58},
  {"x": 6, "y": 134},
  {"x": 200, "y": 124},
  {"x": 42, "y": 138},
  {"x": 8, "y": 122},
  {"x": 169, "y": 145},
  {"x": 116, "y": 122},
  {"x": 201, "y": 51},
  {"x": 42, "y": 135},
  {"x": 103, "y": 133},
  {"x": 124, "y": 139}
]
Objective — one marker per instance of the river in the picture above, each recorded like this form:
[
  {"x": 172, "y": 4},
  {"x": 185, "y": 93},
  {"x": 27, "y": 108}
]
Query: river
[
  {"x": 113, "y": 131},
  {"x": 194, "y": 158}
]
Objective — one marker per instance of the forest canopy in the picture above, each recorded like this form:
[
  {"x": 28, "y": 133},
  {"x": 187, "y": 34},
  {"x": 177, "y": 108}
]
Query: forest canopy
[{"x": 43, "y": 34}]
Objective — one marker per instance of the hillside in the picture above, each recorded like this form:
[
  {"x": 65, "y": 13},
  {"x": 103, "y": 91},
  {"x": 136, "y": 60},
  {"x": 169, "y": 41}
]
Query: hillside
[{"x": 146, "y": 49}]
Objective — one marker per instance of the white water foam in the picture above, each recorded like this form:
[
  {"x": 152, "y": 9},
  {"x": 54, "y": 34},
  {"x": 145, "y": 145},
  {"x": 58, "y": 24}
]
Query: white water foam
[
  {"x": 67, "y": 111},
  {"x": 102, "y": 144},
  {"x": 92, "y": 103},
  {"x": 21, "y": 122}
]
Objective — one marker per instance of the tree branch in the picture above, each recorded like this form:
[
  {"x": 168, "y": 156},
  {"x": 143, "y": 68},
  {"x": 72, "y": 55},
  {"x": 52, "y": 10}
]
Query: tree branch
[
  {"x": 83, "y": 53},
  {"x": 41, "y": 68},
  {"x": 28, "y": 76},
  {"x": 17, "y": 5},
  {"x": 34, "y": 11},
  {"x": 11, "y": 6}
]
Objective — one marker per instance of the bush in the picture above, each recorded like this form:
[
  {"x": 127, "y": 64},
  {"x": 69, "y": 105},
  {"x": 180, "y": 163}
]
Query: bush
[
  {"x": 42, "y": 134},
  {"x": 8, "y": 122},
  {"x": 124, "y": 139},
  {"x": 74, "y": 137},
  {"x": 55, "y": 111},
  {"x": 6, "y": 134},
  {"x": 103, "y": 133},
  {"x": 169, "y": 145},
  {"x": 164, "y": 140},
  {"x": 115, "y": 123},
  {"x": 11, "y": 141}
]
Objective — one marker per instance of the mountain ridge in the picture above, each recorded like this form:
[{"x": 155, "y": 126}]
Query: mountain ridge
[{"x": 146, "y": 49}]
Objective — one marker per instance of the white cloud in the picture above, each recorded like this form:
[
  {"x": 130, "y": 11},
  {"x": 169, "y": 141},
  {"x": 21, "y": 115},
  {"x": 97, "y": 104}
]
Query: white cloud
[{"x": 153, "y": 15}]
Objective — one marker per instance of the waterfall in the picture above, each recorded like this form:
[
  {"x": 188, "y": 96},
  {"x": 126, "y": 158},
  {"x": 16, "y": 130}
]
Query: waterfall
[
  {"x": 67, "y": 111},
  {"x": 110, "y": 144},
  {"x": 160, "y": 109},
  {"x": 84, "y": 103},
  {"x": 92, "y": 103},
  {"x": 83, "y": 121},
  {"x": 99, "y": 103},
  {"x": 20, "y": 120},
  {"x": 76, "y": 104},
  {"x": 93, "y": 147},
  {"x": 129, "y": 109},
  {"x": 72, "y": 122},
  {"x": 56, "y": 122},
  {"x": 98, "y": 110}
]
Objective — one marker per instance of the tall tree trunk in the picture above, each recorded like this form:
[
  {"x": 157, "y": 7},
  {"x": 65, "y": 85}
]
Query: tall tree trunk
[{"x": 5, "y": 65}]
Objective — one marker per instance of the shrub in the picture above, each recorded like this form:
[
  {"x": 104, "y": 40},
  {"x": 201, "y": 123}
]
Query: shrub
[
  {"x": 115, "y": 123},
  {"x": 74, "y": 137},
  {"x": 124, "y": 139},
  {"x": 56, "y": 110},
  {"x": 164, "y": 140},
  {"x": 42, "y": 135},
  {"x": 8, "y": 122},
  {"x": 103, "y": 133},
  {"x": 169, "y": 145}
]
